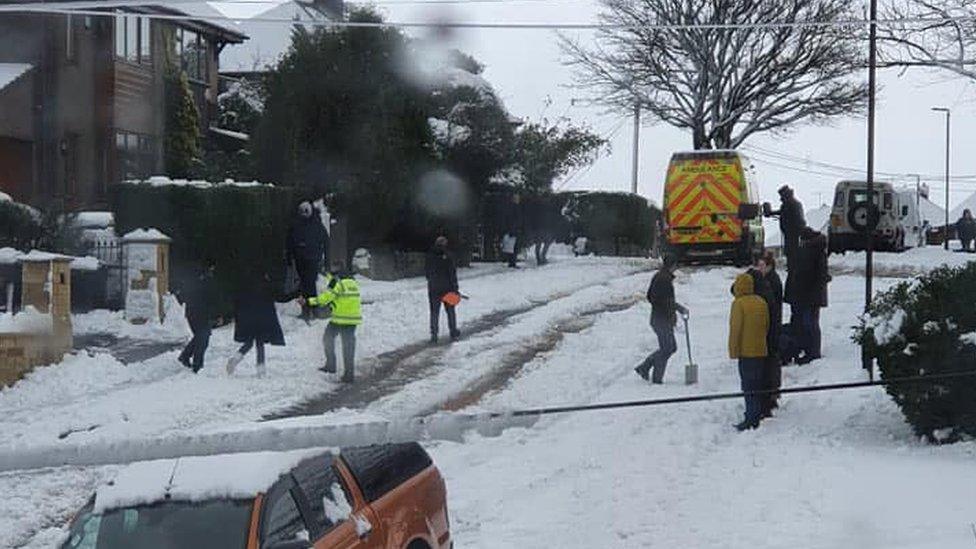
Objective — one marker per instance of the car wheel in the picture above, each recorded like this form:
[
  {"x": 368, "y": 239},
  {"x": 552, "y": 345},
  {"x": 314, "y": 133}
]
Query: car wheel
[{"x": 418, "y": 544}]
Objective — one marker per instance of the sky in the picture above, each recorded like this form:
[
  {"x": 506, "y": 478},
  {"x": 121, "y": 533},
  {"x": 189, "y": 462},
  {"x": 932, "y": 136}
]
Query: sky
[{"x": 527, "y": 69}]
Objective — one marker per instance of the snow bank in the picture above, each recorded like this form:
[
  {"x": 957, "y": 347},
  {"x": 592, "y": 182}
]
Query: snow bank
[
  {"x": 28, "y": 321},
  {"x": 910, "y": 262},
  {"x": 101, "y": 321}
]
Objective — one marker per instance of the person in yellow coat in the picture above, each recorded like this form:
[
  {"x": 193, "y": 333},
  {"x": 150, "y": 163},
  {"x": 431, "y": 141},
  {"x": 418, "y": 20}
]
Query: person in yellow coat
[
  {"x": 748, "y": 325},
  {"x": 342, "y": 296}
]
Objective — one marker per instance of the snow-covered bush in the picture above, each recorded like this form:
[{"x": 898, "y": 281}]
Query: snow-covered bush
[{"x": 926, "y": 327}]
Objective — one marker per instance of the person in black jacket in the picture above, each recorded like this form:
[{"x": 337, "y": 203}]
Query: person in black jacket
[
  {"x": 664, "y": 311},
  {"x": 806, "y": 292},
  {"x": 791, "y": 223},
  {"x": 307, "y": 247},
  {"x": 196, "y": 295},
  {"x": 966, "y": 230},
  {"x": 255, "y": 321},
  {"x": 773, "y": 372},
  {"x": 441, "y": 272}
]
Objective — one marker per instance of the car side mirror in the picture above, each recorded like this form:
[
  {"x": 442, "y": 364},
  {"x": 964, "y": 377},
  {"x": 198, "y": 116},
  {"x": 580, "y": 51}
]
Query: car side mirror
[
  {"x": 748, "y": 211},
  {"x": 290, "y": 544}
]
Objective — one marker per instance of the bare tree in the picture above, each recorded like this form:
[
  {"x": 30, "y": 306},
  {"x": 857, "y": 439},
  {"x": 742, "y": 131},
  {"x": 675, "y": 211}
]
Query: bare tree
[
  {"x": 922, "y": 33},
  {"x": 723, "y": 84}
]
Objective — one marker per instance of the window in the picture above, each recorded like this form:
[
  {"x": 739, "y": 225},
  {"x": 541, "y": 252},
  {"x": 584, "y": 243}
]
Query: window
[
  {"x": 133, "y": 39},
  {"x": 839, "y": 199},
  {"x": 192, "y": 52},
  {"x": 328, "y": 499},
  {"x": 888, "y": 200},
  {"x": 136, "y": 154},
  {"x": 213, "y": 524},
  {"x": 284, "y": 521}
]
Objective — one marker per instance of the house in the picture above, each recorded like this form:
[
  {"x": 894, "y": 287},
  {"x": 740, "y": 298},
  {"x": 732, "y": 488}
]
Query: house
[{"x": 82, "y": 92}]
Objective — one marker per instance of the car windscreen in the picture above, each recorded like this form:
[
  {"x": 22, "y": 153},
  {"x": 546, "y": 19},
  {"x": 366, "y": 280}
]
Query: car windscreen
[{"x": 170, "y": 525}]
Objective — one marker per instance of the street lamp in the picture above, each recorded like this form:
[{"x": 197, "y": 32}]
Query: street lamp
[{"x": 945, "y": 230}]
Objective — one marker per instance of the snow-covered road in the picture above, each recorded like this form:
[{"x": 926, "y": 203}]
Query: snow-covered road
[
  {"x": 95, "y": 397},
  {"x": 835, "y": 469},
  {"x": 830, "y": 470}
]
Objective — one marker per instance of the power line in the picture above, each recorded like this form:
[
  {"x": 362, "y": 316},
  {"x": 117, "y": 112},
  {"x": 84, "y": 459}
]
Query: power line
[
  {"x": 845, "y": 23},
  {"x": 928, "y": 378},
  {"x": 848, "y": 169},
  {"x": 608, "y": 136}
]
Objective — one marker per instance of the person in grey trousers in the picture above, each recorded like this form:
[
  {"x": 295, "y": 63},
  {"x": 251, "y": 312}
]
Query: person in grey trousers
[{"x": 664, "y": 315}]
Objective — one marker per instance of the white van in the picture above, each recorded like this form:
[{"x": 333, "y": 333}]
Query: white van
[{"x": 851, "y": 211}]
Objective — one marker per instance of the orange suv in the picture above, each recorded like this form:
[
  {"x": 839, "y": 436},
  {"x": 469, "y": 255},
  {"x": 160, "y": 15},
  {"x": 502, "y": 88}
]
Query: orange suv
[{"x": 386, "y": 496}]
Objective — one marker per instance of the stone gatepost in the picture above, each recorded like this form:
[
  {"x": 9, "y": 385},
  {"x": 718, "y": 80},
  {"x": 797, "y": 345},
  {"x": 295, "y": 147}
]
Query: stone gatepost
[
  {"x": 147, "y": 278},
  {"x": 46, "y": 286}
]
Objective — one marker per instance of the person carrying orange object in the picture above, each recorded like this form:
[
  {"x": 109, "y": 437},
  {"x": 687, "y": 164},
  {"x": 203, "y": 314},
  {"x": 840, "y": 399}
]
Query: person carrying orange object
[{"x": 441, "y": 272}]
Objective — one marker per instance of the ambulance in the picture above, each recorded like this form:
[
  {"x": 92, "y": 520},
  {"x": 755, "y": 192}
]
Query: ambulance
[{"x": 711, "y": 208}]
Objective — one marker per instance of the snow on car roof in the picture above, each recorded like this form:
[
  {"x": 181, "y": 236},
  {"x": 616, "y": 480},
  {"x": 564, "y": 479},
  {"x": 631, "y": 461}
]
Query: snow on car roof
[{"x": 200, "y": 478}]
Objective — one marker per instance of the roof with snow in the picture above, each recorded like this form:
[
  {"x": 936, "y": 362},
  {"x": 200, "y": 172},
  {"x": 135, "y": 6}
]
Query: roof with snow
[
  {"x": 10, "y": 72},
  {"x": 200, "y": 478},
  {"x": 268, "y": 41},
  {"x": 206, "y": 17},
  {"x": 968, "y": 204}
]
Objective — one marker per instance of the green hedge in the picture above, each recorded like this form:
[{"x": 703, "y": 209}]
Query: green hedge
[
  {"x": 624, "y": 219},
  {"x": 241, "y": 229},
  {"x": 18, "y": 227},
  {"x": 920, "y": 327}
]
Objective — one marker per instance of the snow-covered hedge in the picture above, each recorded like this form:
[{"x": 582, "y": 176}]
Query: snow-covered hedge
[
  {"x": 922, "y": 327},
  {"x": 239, "y": 227}
]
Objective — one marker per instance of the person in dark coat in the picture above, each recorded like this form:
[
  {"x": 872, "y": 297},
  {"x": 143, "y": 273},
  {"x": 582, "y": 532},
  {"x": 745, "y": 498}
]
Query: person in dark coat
[
  {"x": 196, "y": 295},
  {"x": 773, "y": 372},
  {"x": 966, "y": 230},
  {"x": 664, "y": 315},
  {"x": 307, "y": 248},
  {"x": 806, "y": 292},
  {"x": 255, "y": 321},
  {"x": 791, "y": 223},
  {"x": 441, "y": 272}
]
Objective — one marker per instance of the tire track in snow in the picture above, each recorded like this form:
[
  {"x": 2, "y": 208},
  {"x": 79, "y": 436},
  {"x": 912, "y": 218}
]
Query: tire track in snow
[{"x": 394, "y": 370}]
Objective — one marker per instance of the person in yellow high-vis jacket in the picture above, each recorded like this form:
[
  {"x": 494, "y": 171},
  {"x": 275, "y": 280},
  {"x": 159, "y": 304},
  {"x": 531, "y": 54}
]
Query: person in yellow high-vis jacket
[{"x": 342, "y": 296}]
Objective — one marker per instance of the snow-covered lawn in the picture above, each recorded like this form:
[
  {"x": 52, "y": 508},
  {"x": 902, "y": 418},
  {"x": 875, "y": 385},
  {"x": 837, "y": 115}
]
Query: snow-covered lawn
[{"x": 837, "y": 469}]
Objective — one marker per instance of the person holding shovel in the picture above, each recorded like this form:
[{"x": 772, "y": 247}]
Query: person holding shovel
[
  {"x": 442, "y": 288},
  {"x": 664, "y": 315}
]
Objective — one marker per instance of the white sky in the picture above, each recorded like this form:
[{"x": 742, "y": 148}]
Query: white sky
[{"x": 525, "y": 67}]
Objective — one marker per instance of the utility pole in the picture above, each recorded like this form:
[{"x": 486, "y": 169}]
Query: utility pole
[
  {"x": 945, "y": 230},
  {"x": 867, "y": 361},
  {"x": 633, "y": 174}
]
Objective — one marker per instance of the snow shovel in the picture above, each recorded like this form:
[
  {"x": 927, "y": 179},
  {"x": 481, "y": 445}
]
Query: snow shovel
[{"x": 691, "y": 369}]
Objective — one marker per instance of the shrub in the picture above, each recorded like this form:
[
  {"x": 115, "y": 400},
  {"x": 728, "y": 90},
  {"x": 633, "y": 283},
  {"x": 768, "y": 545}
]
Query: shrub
[
  {"x": 621, "y": 219},
  {"x": 239, "y": 228},
  {"x": 19, "y": 227},
  {"x": 923, "y": 327}
]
